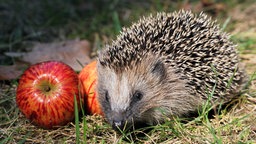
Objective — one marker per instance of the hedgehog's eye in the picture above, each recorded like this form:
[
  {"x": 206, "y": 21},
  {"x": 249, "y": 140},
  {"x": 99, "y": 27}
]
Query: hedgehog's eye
[
  {"x": 137, "y": 96},
  {"x": 106, "y": 96}
]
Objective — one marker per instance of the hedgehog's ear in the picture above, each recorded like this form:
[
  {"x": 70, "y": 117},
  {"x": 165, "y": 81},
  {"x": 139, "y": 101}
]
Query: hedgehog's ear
[{"x": 159, "y": 70}]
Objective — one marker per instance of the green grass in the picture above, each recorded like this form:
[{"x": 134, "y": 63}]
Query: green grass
[
  {"x": 23, "y": 22},
  {"x": 77, "y": 120},
  {"x": 246, "y": 42},
  {"x": 228, "y": 126}
]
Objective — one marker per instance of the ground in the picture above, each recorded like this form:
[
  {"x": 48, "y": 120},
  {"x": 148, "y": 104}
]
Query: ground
[{"x": 99, "y": 22}]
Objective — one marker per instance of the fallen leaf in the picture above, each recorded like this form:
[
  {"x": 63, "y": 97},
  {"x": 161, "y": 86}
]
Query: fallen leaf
[
  {"x": 71, "y": 52},
  {"x": 249, "y": 58},
  {"x": 11, "y": 72},
  {"x": 250, "y": 62},
  {"x": 244, "y": 18},
  {"x": 209, "y": 6}
]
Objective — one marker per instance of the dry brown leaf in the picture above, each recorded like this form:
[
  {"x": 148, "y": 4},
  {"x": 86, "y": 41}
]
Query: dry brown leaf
[
  {"x": 245, "y": 18},
  {"x": 11, "y": 72},
  {"x": 209, "y": 6},
  {"x": 249, "y": 58},
  {"x": 69, "y": 52},
  {"x": 250, "y": 62}
]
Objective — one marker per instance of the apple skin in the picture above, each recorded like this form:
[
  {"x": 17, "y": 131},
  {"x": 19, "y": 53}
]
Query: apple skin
[
  {"x": 45, "y": 94},
  {"x": 87, "y": 83}
]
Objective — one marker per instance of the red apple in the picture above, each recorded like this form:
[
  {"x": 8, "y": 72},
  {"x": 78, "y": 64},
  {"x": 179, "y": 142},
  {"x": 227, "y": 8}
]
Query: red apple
[
  {"x": 87, "y": 81},
  {"x": 45, "y": 94}
]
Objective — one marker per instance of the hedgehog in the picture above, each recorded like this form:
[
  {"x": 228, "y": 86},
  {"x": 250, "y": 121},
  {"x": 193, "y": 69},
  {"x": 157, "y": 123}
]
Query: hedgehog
[{"x": 166, "y": 65}]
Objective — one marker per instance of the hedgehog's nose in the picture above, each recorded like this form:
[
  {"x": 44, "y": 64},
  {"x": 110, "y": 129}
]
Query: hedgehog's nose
[
  {"x": 118, "y": 121},
  {"x": 118, "y": 125}
]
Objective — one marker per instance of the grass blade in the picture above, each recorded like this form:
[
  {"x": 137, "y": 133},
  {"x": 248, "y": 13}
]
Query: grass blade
[{"x": 76, "y": 121}]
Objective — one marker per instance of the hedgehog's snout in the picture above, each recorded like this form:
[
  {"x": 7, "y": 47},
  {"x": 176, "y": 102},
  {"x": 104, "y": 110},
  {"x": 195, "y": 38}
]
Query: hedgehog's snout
[{"x": 118, "y": 120}]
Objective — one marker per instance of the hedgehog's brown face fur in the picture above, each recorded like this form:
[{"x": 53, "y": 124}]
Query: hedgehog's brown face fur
[{"x": 145, "y": 93}]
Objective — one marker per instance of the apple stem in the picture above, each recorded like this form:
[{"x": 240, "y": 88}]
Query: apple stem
[{"x": 47, "y": 88}]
